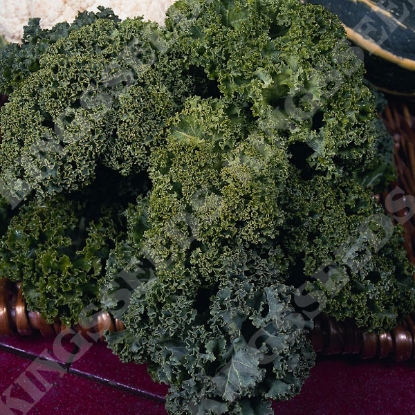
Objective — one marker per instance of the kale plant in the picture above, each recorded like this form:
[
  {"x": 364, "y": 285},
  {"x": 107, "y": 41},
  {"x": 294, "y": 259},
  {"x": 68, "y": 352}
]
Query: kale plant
[{"x": 210, "y": 183}]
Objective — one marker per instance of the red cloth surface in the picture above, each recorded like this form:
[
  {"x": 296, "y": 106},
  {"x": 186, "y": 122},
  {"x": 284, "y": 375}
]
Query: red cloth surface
[{"x": 94, "y": 381}]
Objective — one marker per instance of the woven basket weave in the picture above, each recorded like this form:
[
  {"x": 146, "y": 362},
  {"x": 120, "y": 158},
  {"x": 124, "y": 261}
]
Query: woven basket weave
[{"x": 328, "y": 336}]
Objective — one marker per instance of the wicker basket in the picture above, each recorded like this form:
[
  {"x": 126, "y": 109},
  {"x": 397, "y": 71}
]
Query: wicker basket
[{"x": 328, "y": 336}]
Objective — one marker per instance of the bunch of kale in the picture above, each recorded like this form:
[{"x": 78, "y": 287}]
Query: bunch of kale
[{"x": 221, "y": 163}]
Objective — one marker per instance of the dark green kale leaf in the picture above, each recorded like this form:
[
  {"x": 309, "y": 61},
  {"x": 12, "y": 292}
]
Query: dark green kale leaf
[
  {"x": 342, "y": 242},
  {"x": 127, "y": 268},
  {"x": 380, "y": 171},
  {"x": 215, "y": 185},
  {"x": 19, "y": 61},
  {"x": 95, "y": 100},
  {"x": 58, "y": 247},
  {"x": 291, "y": 64},
  {"x": 229, "y": 349},
  {"x": 372, "y": 279}
]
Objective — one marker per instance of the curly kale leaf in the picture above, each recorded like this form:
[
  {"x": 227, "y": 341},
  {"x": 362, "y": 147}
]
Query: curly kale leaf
[
  {"x": 377, "y": 288},
  {"x": 341, "y": 241},
  {"x": 141, "y": 116},
  {"x": 228, "y": 349},
  {"x": 291, "y": 63},
  {"x": 254, "y": 195},
  {"x": 19, "y": 61},
  {"x": 215, "y": 184},
  {"x": 58, "y": 249},
  {"x": 241, "y": 373},
  {"x": 95, "y": 100},
  {"x": 127, "y": 268},
  {"x": 380, "y": 171}
]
